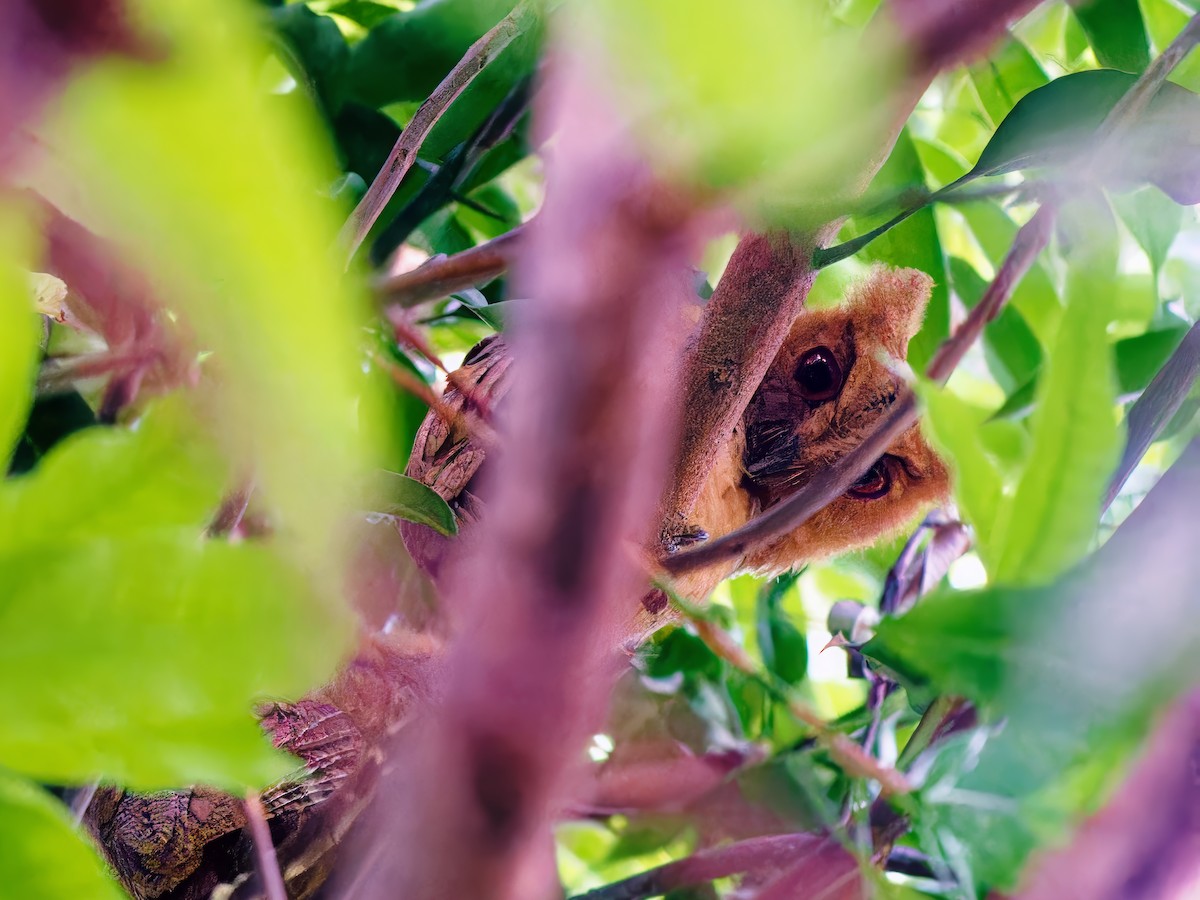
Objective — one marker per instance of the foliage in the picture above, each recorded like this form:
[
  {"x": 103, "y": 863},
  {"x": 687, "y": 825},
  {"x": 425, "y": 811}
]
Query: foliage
[{"x": 137, "y": 642}]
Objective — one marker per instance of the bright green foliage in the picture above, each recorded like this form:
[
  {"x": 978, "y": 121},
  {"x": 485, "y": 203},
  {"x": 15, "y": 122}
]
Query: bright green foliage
[
  {"x": 1050, "y": 519},
  {"x": 226, "y": 181},
  {"x": 135, "y": 647},
  {"x": 42, "y": 857},
  {"x": 728, "y": 94},
  {"x": 18, "y": 351}
]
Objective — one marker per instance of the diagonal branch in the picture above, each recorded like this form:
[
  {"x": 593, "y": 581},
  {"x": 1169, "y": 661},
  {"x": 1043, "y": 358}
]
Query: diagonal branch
[{"x": 404, "y": 153}]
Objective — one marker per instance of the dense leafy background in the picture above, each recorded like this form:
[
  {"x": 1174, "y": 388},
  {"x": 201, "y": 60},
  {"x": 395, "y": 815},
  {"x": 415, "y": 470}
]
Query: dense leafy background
[{"x": 134, "y": 650}]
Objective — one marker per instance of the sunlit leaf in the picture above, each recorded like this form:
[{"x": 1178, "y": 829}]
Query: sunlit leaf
[
  {"x": 1005, "y": 77},
  {"x": 1116, "y": 32},
  {"x": 42, "y": 856},
  {"x": 784, "y": 647},
  {"x": 136, "y": 649},
  {"x": 214, "y": 190},
  {"x": 18, "y": 340},
  {"x": 912, "y": 243},
  {"x": 1048, "y": 523},
  {"x": 954, "y": 427},
  {"x": 1153, "y": 219},
  {"x": 742, "y": 123}
]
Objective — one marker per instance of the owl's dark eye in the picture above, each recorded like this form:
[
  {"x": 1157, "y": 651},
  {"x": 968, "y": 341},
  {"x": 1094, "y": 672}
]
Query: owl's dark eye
[
  {"x": 819, "y": 375},
  {"x": 874, "y": 484}
]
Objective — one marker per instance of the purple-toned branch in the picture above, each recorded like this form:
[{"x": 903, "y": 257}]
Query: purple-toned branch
[
  {"x": 550, "y": 580},
  {"x": 264, "y": 849},
  {"x": 442, "y": 276},
  {"x": 760, "y": 855}
]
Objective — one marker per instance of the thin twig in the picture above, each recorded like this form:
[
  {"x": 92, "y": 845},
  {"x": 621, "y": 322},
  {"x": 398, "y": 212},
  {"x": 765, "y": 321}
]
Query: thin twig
[
  {"x": 750, "y": 855},
  {"x": 264, "y": 849},
  {"x": 1156, "y": 407},
  {"x": 404, "y": 153},
  {"x": 444, "y": 275}
]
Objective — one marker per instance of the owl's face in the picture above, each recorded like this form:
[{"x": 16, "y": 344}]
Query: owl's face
[{"x": 827, "y": 387}]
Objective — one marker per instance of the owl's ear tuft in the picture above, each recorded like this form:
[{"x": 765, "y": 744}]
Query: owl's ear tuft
[{"x": 890, "y": 305}]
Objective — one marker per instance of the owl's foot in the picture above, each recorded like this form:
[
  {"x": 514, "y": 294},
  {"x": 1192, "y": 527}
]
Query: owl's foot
[{"x": 683, "y": 538}]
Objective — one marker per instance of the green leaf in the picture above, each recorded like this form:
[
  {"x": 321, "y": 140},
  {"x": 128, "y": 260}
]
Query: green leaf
[
  {"x": 1054, "y": 124},
  {"x": 776, "y": 147},
  {"x": 1153, "y": 219},
  {"x": 315, "y": 52},
  {"x": 404, "y": 497},
  {"x": 1005, "y": 77},
  {"x": 18, "y": 342},
  {"x": 954, "y": 427},
  {"x": 104, "y": 483},
  {"x": 1116, "y": 32},
  {"x": 216, "y": 195},
  {"x": 148, "y": 653},
  {"x": 363, "y": 12},
  {"x": 1013, "y": 352},
  {"x": 912, "y": 243},
  {"x": 42, "y": 856},
  {"x": 784, "y": 647},
  {"x": 150, "y": 644},
  {"x": 1047, "y": 524},
  {"x": 1138, "y": 359}
]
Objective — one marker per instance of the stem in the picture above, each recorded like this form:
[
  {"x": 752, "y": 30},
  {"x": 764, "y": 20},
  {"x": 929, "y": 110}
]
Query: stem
[
  {"x": 404, "y": 153},
  {"x": 441, "y": 276},
  {"x": 1156, "y": 407},
  {"x": 264, "y": 849}
]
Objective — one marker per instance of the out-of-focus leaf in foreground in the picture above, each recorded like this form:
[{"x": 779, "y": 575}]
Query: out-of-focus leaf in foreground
[
  {"x": 134, "y": 648},
  {"x": 213, "y": 188},
  {"x": 1077, "y": 671},
  {"x": 42, "y": 857},
  {"x": 18, "y": 341},
  {"x": 728, "y": 93}
]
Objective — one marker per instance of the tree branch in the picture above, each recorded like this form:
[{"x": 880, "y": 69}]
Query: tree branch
[
  {"x": 404, "y": 153},
  {"x": 442, "y": 276}
]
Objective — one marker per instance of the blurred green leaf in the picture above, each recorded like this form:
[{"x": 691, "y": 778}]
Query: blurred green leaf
[
  {"x": 217, "y": 195},
  {"x": 149, "y": 644},
  {"x": 1116, "y": 32},
  {"x": 741, "y": 124},
  {"x": 42, "y": 856},
  {"x": 1138, "y": 359},
  {"x": 409, "y": 499},
  {"x": 363, "y": 12},
  {"x": 784, "y": 647},
  {"x": 1153, "y": 219},
  {"x": 1048, "y": 523},
  {"x": 18, "y": 344}
]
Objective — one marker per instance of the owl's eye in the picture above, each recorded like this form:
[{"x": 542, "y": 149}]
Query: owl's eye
[
  {"x": 819, "y": 375},
  {"x": 874, "y": 484}
]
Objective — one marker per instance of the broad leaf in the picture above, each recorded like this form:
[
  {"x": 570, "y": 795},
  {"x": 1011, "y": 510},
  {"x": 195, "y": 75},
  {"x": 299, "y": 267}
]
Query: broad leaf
[
  {"x": 1116, "y": 32},
  {"x": 314, "y": 51},
  {"x": 135, "y": 649},
  {"x": 214, "y": 192},
  {"x": 42, "y": 856},
  {"x": 1048, "y": 523},
  {"x": 1153, "y": 219},
  {"x": 1054, "y": 125},
  {"x": 1005, "y": 77},
  {"x": 784, "y": 647},
  {"x": 406, "y": 498}
]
